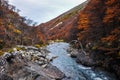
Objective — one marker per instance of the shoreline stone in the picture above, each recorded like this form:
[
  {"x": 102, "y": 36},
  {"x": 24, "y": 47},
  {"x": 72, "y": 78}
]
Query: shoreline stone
[
  {"x": 97, "y": 58},
  {"x": 32, "y": 63}
]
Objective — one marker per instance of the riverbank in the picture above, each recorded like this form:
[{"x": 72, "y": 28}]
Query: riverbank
[
  {"x": 73, "y": 70},
  {"x": 28, "y": 64},
  {"x": 95, "y": 59}
]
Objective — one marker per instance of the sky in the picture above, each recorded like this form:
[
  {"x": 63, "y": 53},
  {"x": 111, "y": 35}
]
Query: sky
[{"x": 41, "y": 11}]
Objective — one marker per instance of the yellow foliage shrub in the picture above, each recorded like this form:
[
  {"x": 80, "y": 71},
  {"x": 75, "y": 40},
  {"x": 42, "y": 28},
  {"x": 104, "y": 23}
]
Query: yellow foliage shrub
[
  {"x": 1, "y": 52},
  {"x": 37, "y": 46},
  {"x": 17, "y": 31},
  {"x": 10, "y": 50},
  {"x": 20, "y": 48}
]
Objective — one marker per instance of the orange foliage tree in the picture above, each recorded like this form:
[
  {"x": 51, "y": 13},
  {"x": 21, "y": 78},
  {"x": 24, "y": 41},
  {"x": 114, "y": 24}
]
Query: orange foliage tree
[
  {"x": 112, "y": 23},
  {"x": 99, "y": 21},
  {"x": 90, "y": 21}
]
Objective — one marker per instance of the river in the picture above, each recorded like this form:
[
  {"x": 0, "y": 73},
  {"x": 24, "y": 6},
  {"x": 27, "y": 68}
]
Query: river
[{"x": 71, "y": 69}]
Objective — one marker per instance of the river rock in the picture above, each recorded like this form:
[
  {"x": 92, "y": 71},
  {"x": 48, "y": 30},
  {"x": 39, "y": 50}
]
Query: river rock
[
  {"x": 54, "y": 72},
  {"x": 80, "y": 56},
  {"x": 5, "y": 77},
  {"x": 85, "y": 60},
  {"x": 72, "y": 52},
  {"x": 30, "y": 64}
]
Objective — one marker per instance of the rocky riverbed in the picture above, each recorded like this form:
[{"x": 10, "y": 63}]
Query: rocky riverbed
[
  {"x": 52, "y": 62},
  {"x": 28, "y": 64}
]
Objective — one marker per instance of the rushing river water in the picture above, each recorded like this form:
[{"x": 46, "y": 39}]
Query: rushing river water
[{"x": 71, "y": 69}]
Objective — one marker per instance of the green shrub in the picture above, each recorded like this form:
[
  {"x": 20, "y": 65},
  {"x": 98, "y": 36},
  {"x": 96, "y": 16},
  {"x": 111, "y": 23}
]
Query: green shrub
[
  {"x": 94, "y": 47},
  {"x": 23, "y": 48},
  {"x": 18, "y": 48},
  {"x": 10, "y": 50},
  {"x": 37, "y": 46},
  {"x": 59, "y": 40}
]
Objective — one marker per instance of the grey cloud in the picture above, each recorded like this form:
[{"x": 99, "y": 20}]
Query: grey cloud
[{"x": 44, "y": 10}]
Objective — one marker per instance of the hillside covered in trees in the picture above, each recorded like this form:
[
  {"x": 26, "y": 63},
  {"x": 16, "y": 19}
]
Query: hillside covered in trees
[
  {"x": 99, "y": 27},
  {"x": 99, "y": 24},
  {"x": 15, "y": 29},
  {"x": 64, "y": 26}
]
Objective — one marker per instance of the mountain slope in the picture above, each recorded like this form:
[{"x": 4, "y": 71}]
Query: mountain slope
[{"x": 64, "y": 26}]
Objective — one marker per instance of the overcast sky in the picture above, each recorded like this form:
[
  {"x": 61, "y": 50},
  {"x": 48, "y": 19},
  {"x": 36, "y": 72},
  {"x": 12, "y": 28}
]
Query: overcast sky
[{"x": 42, "y": 11}]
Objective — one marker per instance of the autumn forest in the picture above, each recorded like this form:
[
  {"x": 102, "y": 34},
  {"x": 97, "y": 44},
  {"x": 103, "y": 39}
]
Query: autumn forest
[{"x": 94, "y": 23}]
